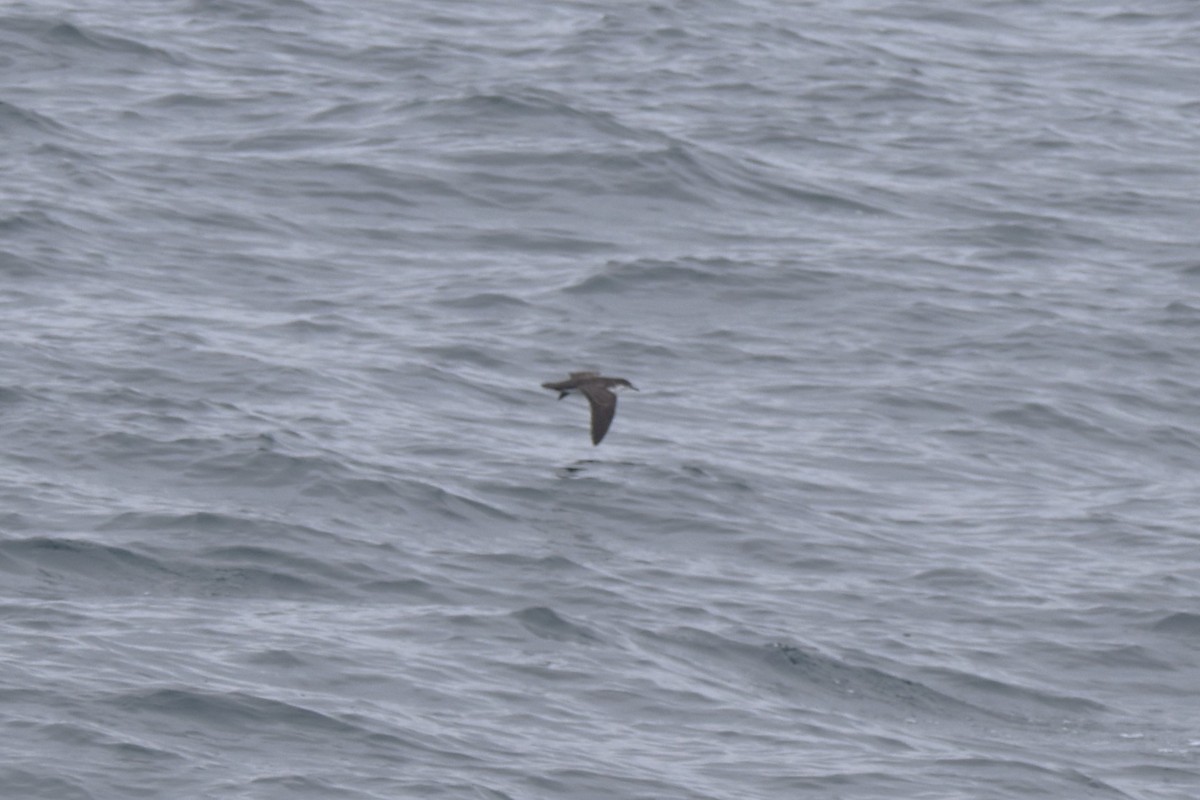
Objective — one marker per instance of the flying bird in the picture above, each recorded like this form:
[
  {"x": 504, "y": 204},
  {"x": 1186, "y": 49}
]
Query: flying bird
[{"x": 601, "y": 394}]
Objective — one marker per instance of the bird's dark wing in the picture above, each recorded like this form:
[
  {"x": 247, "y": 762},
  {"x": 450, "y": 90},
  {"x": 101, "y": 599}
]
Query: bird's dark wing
[{"x": 604, "y": 406}]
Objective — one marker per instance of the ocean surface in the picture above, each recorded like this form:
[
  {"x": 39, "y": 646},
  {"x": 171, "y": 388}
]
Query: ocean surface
[{"x": 908, "y": 505}]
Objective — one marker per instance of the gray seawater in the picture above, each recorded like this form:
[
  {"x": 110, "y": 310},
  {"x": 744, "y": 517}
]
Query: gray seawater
[{"x": 906, "y": 507}]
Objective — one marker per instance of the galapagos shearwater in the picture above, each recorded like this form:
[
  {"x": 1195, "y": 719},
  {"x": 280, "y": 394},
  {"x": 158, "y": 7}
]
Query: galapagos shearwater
[{"x": 599, "y": 392}]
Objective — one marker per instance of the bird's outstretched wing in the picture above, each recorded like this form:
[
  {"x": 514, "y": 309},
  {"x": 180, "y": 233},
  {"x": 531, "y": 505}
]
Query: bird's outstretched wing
[{"x": 604, "y": 407}]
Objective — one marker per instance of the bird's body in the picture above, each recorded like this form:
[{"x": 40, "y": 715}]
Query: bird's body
[{"x": 600, "y": 393}]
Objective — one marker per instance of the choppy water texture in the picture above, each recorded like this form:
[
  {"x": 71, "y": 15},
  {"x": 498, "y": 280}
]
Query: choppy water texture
[{"x": 906, "y": 507}]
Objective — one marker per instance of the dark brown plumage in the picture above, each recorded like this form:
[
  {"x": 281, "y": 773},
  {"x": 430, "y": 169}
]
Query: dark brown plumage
[{"x": 598, "y": 390}]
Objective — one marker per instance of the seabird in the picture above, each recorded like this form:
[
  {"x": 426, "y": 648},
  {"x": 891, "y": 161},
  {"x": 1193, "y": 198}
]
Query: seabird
[{"x": 599, "y": 392}]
